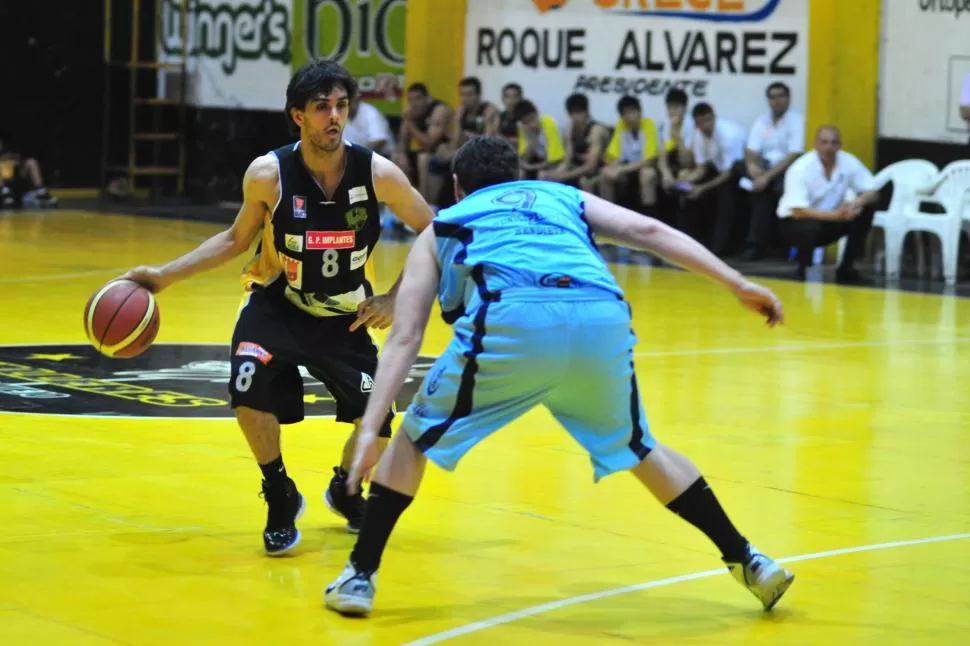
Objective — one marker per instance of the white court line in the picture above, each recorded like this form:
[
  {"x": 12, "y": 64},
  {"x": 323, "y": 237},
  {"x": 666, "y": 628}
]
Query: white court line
[
  {"x": 804, "y": 346},
  {"x": 605, "y": 594}
]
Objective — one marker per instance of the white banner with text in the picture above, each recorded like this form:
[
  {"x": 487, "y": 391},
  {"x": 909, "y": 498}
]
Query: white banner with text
[{"x": 723, "y": 52}]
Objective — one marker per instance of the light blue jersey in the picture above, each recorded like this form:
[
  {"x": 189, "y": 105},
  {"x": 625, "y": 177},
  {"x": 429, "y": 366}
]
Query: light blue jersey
[
  {"x": 538, "y": 320},
  {"x": 516, "y": 235}
]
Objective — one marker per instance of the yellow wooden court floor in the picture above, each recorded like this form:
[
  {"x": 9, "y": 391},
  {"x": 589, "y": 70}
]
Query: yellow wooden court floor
[{"x": 840, "y": 442}]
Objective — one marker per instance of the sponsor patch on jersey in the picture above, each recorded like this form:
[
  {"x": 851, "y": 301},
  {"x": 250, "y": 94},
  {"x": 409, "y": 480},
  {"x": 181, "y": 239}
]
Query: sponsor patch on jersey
[
  {"x": 293, "y": 269},
  {"x": 330, "y": 240},
  {"x": 357, "y": 194},
  {"x": 299, "y": 207},
  {"x": 293, "y": 242},
  {"x": 366, "y": 383},
  {"x": 358, "y": 258},
  {"x": 356, "y": 218},
  {"x": 249, "y": 349}
]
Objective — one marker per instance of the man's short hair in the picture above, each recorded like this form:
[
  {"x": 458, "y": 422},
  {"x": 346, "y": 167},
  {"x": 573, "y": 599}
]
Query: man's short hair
[
  {"x": 701, "y": 110},
  {"x": 676, "y": 96},
  {"x": 419, "y": 87},
  {"x": 485, "y": 161},
  {"x": 778, "y": 85},
  {"x": 472, "y": 82},
  {"x": 523, "y": 109},
  {"x": 577, "y": 103},
  {"x": 628, "y": 103}
]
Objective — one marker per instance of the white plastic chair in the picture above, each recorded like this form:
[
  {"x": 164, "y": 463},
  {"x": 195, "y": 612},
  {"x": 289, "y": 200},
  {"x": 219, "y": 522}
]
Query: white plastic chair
[
  {"x": 950, "y": 189},
  {"x": 907, "y": 176}
]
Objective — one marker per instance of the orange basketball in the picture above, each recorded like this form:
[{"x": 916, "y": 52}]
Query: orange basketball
[{"x": 121, "y": 319}]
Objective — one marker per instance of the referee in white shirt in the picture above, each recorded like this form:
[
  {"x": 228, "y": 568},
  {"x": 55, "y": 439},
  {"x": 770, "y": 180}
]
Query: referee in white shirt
[{"x": 814, "y": 211}]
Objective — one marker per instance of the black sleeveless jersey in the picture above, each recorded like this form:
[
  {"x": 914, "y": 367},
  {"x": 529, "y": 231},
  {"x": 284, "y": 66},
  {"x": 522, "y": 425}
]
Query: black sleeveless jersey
[
  {"x": 473, "y": 121},
  {"x": 323, "y": 243}
]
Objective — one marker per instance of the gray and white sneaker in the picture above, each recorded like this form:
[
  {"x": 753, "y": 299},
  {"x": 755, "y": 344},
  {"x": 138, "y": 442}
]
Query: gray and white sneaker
[
  {"x": 763, "y": 577},
  {"x": 352, "y": 593}
]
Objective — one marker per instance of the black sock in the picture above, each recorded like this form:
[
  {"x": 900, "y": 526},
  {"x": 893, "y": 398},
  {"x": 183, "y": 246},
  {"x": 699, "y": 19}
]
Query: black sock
[
  {"x": 384, "y": 507},
  {"x": 274, "y": 471},
  {"x": 699, "y": 507}
]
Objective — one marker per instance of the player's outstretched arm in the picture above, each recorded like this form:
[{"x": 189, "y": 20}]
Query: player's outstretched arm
[
  {"x": 260, "y": 193},
  {"x": 415, "y": 299},
  {"x": 636, "y": 230}
]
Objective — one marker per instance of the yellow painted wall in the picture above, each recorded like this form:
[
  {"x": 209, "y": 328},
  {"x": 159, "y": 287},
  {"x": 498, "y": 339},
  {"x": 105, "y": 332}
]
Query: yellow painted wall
[
  {"x": 843, "y": 72},
  {"x": 435, "y": 46}
]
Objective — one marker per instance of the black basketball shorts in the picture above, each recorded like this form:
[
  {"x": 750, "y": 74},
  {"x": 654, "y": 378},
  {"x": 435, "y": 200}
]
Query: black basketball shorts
[{"x": 273, "y": 339}]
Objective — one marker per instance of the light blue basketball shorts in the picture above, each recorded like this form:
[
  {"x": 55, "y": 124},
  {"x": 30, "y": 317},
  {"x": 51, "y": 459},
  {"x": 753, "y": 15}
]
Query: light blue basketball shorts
[{"x": 573, "y": 356}]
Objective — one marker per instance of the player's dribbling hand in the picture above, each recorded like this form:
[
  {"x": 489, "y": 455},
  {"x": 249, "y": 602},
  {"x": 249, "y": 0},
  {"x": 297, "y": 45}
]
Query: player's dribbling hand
[
  {"x": 376, "y": 312},
  {"x": 150, "y": 278},
  {"x": 366, "y": 455},
  {"x": 761, "y": 300}
]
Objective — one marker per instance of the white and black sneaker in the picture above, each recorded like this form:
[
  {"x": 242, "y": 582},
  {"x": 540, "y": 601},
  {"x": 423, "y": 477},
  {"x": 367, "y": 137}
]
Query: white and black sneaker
[
  {"x": 352, "y": 593},
  {"x": 286, "y": 505},
  {"x": 763, "y": 577}
]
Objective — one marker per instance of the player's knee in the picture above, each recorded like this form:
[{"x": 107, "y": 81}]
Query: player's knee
[{"x": 648, "y": 176}]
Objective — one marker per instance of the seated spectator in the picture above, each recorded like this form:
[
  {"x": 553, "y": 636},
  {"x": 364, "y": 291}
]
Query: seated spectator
[
  {"x": 814, "y": 210},
  {"x": 630, "y": 174},
  {"x": 585, "y": 144},
  {"x": 367, "y": 127},
  {"x": 473, "y": 118},
  {"x": 21, "y": 182},
  {"x": 508, "y": 127},
  {"x": 776, "y": 140},
  {"x": 424, "y": 127},
  {"x": 674, "y": 135},
  {"x": 711, "y": 185},
  {"x": 540, "y": 147}
]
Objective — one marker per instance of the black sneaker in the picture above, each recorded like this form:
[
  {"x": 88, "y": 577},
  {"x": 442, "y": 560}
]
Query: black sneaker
[
  {"x": 342, "y": 503},
  {"x": 286, "y": 505}
]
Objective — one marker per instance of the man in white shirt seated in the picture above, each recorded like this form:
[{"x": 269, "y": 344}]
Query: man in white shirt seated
[
  {"x": 776, "y": 140},
  {"x": 711, "y": 185},
  {"x": 367, "y": 127},
  {"x": 814, "y": 210}
]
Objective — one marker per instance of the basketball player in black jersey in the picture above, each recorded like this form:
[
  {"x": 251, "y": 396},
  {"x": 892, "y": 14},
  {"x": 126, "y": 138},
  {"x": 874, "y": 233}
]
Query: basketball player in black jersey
[
  {"x": 314, "y": 205},
  {"x": 585, "y": 144},
  {"x": 424, "y": 129},
  {"x": 473, "y": 118}
]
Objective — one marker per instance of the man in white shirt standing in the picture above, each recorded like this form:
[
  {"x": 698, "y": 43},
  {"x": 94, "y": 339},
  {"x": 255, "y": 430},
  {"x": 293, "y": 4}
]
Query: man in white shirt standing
[
  {"x": 716, "y": 146},
  {"x": 814, "y": 210},
  {"x": 776, "y": 140}
]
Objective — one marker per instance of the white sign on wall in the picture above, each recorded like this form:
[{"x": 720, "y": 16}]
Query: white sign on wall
[
  {"x": 925, "y": 62},
  {"x": 723, "y": 52},
  {"x": 239, "y": 51}
]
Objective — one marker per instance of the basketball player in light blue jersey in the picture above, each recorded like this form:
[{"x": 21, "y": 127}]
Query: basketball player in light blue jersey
[{"x": 538, "y": 319}]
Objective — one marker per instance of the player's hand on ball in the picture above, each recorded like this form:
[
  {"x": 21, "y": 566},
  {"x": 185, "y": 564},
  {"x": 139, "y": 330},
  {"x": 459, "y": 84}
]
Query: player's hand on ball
[
  {"x": 150, "y": 278},
  {"x": 366, "y": 455},
  {"x": 761, "y": 300},
  {"x": 376, "y": 312}
]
